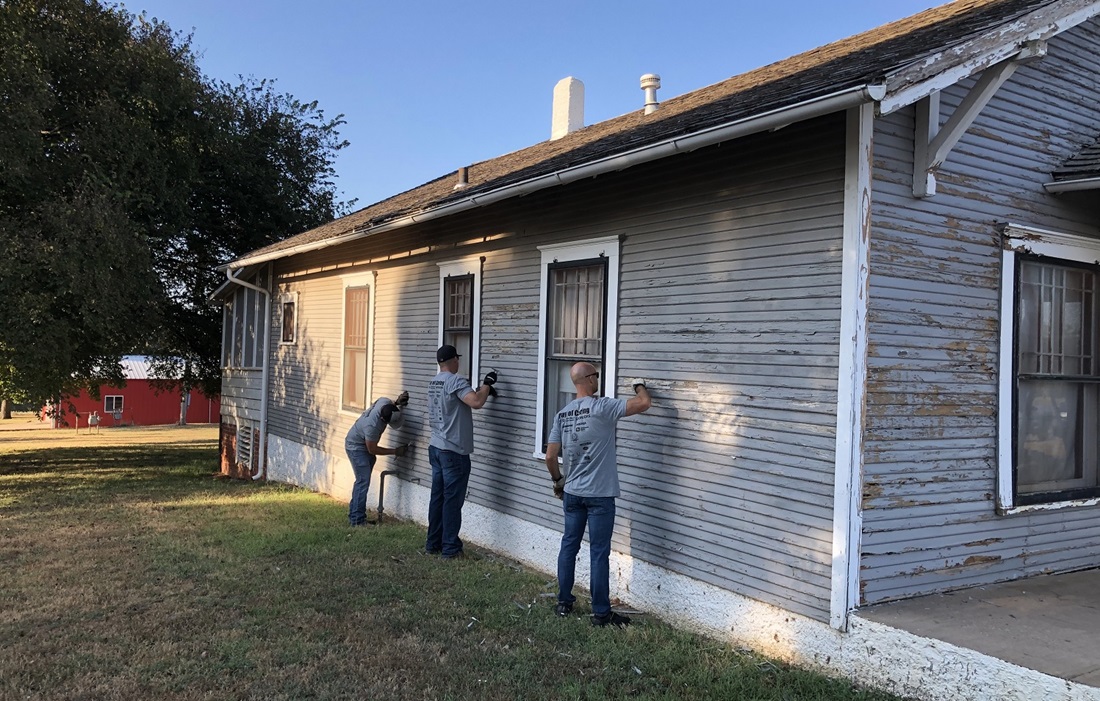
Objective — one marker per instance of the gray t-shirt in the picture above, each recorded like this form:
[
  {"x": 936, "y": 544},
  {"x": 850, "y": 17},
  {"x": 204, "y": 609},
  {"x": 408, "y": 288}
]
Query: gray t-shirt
[
  {"x": 451, "y": 419},
  {"x": 368, "y": 427},
  {"x": 585, "y": 428}
]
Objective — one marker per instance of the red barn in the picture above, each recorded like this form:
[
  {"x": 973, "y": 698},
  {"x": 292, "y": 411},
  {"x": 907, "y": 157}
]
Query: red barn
[{"x": 137, "y": 404}]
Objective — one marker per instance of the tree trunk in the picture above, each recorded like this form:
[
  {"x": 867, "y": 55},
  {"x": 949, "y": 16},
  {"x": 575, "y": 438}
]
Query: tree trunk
[
  {"x": 5, "y": 409},
  {"x": 183, "y": 406}
]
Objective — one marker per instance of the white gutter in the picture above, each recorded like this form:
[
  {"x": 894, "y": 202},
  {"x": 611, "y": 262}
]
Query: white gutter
[
  {"x": 1072, "y": 185},
  {"x": 263, "y": 372},
  {"x": 775, "y": 119}
]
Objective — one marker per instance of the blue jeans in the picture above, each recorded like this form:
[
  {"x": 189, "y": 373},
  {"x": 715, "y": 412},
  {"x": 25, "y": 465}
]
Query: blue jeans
[
  {"x": 598, "y": 513},
  {"x": 450, "y": 477},
  {"x": 362, "y": 464}
]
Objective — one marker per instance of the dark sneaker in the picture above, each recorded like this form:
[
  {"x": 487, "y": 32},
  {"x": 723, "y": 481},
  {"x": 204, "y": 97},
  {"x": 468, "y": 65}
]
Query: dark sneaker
[
  {"x": 564, "y": 608},
  {"x": 460, "y": 555},
  {"x": 611, "y": 619}
]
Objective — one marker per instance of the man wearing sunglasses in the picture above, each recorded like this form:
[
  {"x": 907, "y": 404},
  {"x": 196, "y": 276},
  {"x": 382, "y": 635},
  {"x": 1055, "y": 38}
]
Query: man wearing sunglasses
[{"x": 587, "y": 482}]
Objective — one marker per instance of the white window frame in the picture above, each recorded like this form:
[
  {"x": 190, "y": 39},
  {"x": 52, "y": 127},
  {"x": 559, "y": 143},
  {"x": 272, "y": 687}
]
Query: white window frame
[
  {"x": 458, "y": 268},
  {"x": 358, "y": 280},
  {"x": 289, "y": 298},
  {"x": 1040, "y": 242},
  {"x": 109, "y": 397},
  {"x": 604, "y": 247}
]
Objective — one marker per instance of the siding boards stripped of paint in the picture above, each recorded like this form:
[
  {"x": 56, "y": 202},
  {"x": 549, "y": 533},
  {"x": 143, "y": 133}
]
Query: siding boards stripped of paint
[{"x": 934, "y": 317}]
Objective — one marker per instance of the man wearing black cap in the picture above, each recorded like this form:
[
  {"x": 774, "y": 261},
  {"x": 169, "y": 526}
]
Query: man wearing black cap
[
  {"x": 361, "y": 445},
  {"x": 450, "y": 401}
]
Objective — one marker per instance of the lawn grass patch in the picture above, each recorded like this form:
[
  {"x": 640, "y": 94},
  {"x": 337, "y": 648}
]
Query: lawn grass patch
[{"x": 129, "y": 570}]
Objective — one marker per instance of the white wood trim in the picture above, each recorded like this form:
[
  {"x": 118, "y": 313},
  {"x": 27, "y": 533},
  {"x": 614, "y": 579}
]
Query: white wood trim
[
  {"x": 920, "y": 79},
  {"x": 1004, "y": 381},
  {"x": 603, "y": 247},
  {"x": 852, "y": 371},
  {"x": 357, "y": 280},
  {"x": 471, "y": 265},
  {"x": 1041, "y": 242},
  {"x": 927, "y": 124},
  {"x": 285, "y": 297}
]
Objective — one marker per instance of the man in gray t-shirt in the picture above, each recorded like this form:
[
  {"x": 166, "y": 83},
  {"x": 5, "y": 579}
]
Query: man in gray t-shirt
[
  {"x": 587, "y": 481},
  {"x": 450, "y": 401},
  {"x": 361, "y": 445}
]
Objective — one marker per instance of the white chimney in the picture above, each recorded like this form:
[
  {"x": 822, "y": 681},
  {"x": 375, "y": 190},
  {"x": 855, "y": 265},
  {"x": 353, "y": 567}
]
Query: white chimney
[
  {"x": 650, "y": 83},
  {"x": 568, "y": 107}
]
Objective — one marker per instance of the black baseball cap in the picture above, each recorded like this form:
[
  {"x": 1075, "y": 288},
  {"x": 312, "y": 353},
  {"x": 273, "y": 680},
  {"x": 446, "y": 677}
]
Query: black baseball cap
[{"x": 445, "y": 353}]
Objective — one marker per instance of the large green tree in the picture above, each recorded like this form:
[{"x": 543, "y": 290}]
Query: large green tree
[{"x": 126, "y": 178}]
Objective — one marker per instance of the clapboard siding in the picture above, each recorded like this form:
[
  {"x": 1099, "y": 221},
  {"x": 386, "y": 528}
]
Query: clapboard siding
[
  {"x": 241, "y": 393},
  {"x": 934, "y": 321},
  {"x": 730, "y": 267}
]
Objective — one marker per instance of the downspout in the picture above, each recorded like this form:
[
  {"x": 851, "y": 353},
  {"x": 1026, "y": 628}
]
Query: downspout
[{"x": 264, "y": 367}]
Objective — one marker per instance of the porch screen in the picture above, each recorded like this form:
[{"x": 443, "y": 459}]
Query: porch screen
[{"x": 1058, "y": 381}]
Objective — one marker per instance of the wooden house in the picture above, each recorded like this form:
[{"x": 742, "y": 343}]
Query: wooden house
[{"x": 862, "y": 284}]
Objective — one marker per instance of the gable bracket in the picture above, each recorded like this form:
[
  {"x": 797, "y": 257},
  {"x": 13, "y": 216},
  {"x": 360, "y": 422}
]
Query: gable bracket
[{"x": 932, "y": 143}]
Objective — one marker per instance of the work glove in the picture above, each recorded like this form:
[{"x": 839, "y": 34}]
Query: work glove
[
  {"x": 400, "y": 450},
  {"x": 490, "y": 378},
  {"x": 492, "y": 390},
  {"x": 402, "y": 400},
  {"x": 559, "y": 487}
]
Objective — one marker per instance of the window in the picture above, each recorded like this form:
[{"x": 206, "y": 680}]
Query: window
[
  {"x": 288, "y": 317},
  {"x": 243, "y": 327},
  {"x": 358, "y": 308},
  {"x": 112, "y": 403},
  {"x": 1050, "y": 347},
  {"x": 459, "y": 312},
  {"x": 578, "y": 320}
]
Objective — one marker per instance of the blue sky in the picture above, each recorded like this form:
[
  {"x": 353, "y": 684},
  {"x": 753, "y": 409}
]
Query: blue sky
[{"x": 427, "y": 87}]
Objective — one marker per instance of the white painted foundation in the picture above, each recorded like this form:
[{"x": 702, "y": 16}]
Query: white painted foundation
[{"x": 870, "y": 653}]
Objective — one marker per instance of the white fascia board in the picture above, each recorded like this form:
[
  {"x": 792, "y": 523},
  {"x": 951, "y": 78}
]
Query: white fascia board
[
  {"x": 774, "y": 119},
  {"x": 920, "y": 79}
]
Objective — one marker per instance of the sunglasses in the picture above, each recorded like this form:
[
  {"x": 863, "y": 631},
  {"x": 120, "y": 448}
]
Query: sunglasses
[{"x": 595, "y": 374}]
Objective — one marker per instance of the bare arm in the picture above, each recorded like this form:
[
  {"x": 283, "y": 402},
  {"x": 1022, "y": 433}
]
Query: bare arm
[
  {"x": 476, "y": 399},
  {"x": 552, "y": 450},
  {"x": 375, "y": 449},
  {"x": 641, "y": 401}
]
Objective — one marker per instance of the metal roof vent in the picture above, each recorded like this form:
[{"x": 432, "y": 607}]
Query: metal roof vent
[
  {"x": 650, "y": 83},
  {"x": 463, "y": 178},
  {"x": 568, "y": 107}
]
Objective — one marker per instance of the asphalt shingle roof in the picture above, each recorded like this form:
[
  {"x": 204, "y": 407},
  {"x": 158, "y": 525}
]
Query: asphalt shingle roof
[
  {"x": 1085, "y": 164},
  {"x": 858, "y": 60}
]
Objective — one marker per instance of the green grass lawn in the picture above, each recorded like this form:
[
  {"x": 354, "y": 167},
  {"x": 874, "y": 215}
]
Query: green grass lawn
[{"x": 128, "y": 571}]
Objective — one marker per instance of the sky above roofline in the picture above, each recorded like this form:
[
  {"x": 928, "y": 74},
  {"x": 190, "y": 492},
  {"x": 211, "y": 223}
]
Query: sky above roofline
[{"x": 429, "y": 87}]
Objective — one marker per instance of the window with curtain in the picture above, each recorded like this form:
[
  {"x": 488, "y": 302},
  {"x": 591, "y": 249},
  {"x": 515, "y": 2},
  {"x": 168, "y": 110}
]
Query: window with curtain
[
  {"x": 576, "y": 315},
  {"x": 356, "y": 337},
  {"x": 1057, "y": 422}
]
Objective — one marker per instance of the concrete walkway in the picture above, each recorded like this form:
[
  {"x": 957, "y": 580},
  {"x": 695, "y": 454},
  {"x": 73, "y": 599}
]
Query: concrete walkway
[{"x": 1050, "y": 623}]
